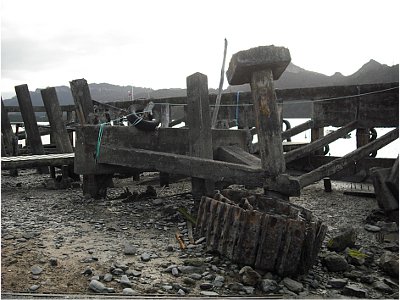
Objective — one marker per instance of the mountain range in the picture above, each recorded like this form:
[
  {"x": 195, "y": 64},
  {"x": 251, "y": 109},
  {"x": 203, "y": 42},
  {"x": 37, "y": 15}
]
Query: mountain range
[{"x": 293, "y": 77}]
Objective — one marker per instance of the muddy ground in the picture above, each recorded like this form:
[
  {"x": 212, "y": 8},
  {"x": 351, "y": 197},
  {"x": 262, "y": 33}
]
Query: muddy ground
[{"x": 57, "y": 241}]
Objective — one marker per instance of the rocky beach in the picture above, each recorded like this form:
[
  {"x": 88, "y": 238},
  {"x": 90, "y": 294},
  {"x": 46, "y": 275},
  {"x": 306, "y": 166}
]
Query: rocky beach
[{"x": 56, "y": 241}]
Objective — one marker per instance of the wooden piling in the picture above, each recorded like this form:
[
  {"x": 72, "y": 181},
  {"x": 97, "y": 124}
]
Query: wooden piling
[
  {"x": 199, "y": 123},
  {"x": 57, "y": 125},
  {"x": 9, "y": 138},
  {"x": 33, "y": 136},
  {"x": 267, "y": 122},
  {"x": 165, "y": 119},
  {"x": 93, "y": 185}
]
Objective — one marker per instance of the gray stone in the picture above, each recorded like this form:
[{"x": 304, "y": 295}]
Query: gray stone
[
  {"x": 381, "y": 286},
  {"x": 337, "y": 283},
  {"x": 249, "y": 276},
  {"x": 36, "y": 270},
  {"x": 196, "y": 262},
  {"x": 117, "y": 271},
  {"x": 181, "y": 292},
  {"x": 372, "y": 228},
  {"x": 170, "y": 248},
  {"x": 219, "y": 281},
  {"x": 129, "y": 291},
  {"x": 195, "y": 276},
  {"x": 389, "y": 262},
  {"x": 293, "y": 285},
  {"x": 189, "y": 281},
  {"x": 96, "y": 277},
  {"x": 249, "y": 290},
  {"x": 236, "y": 286},
  {"x": 87, "y": 271},
  {"x": 335, "y": 262},
  {"x": 157, "y": 201},
  {"x": 175, "y": 272},
  {"x": 97, "y": 287},
  {"x": 107, "y": 277},
  {"x": 206, "y": 286},
  {"x": 191, "y": 269},
  {"x": 130, "y": 249},
  {"x": 388, "y": 226},
  {"x": 145, "y": 257},
  {"x": 209, "y": 293},
  {"x": 125, "y": 281},
  {"x": 34, "y": 287},
  {"x": 354, "y": 291},
  {"x": 110, "y": 290},
  {"x": 269, "y": 286},
  {"x": 53, "y": 262},
  {"x": 120, "y": 265},
  {"x": 167, "y": 287},
  {"x": 346, "y": 238}
]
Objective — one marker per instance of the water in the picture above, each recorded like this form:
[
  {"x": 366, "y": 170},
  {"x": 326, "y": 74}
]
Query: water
[{"x": 339, "y": 147}]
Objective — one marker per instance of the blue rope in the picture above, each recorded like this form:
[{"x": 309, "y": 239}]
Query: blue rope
[
  {"x": 237, "y": 108},
  {"x": 101, "y": 129}
]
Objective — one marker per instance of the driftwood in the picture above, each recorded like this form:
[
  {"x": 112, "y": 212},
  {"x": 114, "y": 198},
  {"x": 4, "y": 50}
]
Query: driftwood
[{"x": 272, "y": 235}]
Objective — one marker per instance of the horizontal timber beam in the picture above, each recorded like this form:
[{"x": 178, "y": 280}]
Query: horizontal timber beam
[
  {"x": 182, "y": 164},
  {"x": 342, "y": 162},
  {"x": 318, "y": 144}
]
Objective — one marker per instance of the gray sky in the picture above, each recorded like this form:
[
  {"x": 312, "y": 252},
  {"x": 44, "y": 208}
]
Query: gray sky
[{"x": 158, "y": 43}]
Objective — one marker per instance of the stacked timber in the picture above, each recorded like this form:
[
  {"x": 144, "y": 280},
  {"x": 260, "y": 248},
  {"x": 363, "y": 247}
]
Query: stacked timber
[{"x": 265, "y": 233}]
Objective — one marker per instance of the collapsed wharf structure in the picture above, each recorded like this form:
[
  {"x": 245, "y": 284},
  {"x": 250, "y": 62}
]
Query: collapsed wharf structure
[{"x": 217, "y": 157}]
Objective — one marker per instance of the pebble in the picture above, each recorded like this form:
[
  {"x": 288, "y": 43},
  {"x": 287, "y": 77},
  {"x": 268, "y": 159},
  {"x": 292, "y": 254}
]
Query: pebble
[
  {"x": 236, "y": 286},
  {"x": 145, "y": 257},
  {"x": 130, "y": 249},
  {"x": 53, "y": 262},
  {"x": 381, "y": 286},
  {"x": 372, "y": 228},
  {"x": 337, "y": 283},
  {"x": 36, "y": 270},
  {"x": 175, "y": 272},
  {"x": 129, "y": 291},
  {"x": 335, "y": 262},
  {"x": 97, "y": 286},
  {"x": 206, "y": 286},
  {"x": 249, "y": 276},
  {"x": 269, "y": 285},
  {"x": 195, "y": 276},
  {"x": 200, "y": 240},
  {"x": 188, "y": 281},
  {"x": 117, "y": 271},
  {"x": 249, "y": 290},
  {"x": 125, "y": 281},
  {"x": 181, "y": 292},
  {"x": 34, "y": 287},
  {"x": 354, "y": 291},
  {"x": 107, "y": 277},
  {"x": 293, "y": 285}
]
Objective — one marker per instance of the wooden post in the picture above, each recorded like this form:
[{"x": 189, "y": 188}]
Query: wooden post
[
  {"x": 165, "y": 118},
  {"x": 316, "y": 134},
  {"x": 200, "y": 135},
  {"x": 70, "y": 134},
  {"x": 267, "y": 122},
  {"x": 93, "y": 185},
  {"x": 57, "y": 125},
  {"x": 362, "y": 136},
  {"x": 9, "y": 138},
  {"x": 31, "y": 128}
]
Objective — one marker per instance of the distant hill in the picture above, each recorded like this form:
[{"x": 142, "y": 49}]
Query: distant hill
[{"x": 293, "y": 77}]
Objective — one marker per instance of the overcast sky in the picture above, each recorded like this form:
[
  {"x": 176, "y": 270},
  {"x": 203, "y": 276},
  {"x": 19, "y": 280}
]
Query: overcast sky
[{"x": 158, "y": 43}]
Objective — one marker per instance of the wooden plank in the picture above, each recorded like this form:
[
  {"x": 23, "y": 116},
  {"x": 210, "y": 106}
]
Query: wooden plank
[
  {"x": 267, "y": 122},
  {"x": 54, "y": 114},
  {"x": 165, "y": 120},
  {"x": 40, "y": 108},
  {"x": 33, "y": 137},
  {"x": 248, "y": 240},
  {"x": 271, "y": 236},
  {"x": 83, "y": 100},
  {"x": 235, "y": 154},
  {"x": 313, "y": 146},
  {"x": 34, "y": 161},
  {"x": 199, "y": 123},
  {"x": 214, "y": 243},
  {"x": 8, "y": 136},
  {"x": 172, "y": 140},
  {"x": 181, "y": 164},
  {"x": 297, "y": 129},
  {"x": 340, "y": 163}
]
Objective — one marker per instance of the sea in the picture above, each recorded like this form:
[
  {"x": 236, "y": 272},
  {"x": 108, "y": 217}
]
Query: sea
[{"x": 339, "y": 147}]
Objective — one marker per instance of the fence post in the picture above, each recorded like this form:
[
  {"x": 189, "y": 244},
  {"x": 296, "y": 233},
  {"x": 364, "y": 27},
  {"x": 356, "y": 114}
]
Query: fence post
[
  {"x": 200, "y": 135},
  {"x": 9, "y": 138},
  {"x": 28, "y": 115}
]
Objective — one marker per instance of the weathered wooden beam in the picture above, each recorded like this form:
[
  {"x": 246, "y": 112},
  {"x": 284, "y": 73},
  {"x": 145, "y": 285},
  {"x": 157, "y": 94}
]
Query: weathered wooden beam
[
  {"x": 34, "y": 161},
  {"x": 199, "y": 123},
  {"x": 318, "y": 144},
  {"x": 237, "y": 155},
  {"x": 8, "y": 137},
  {"x": 33, "y": 137},
  {"x": 340, "y": 163},
  {"x": 182, "y": 164},
  {"x": 83, "y": 101},
  {"x": 297, "y": 129},
  {"x": 54, "y": 114}
]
